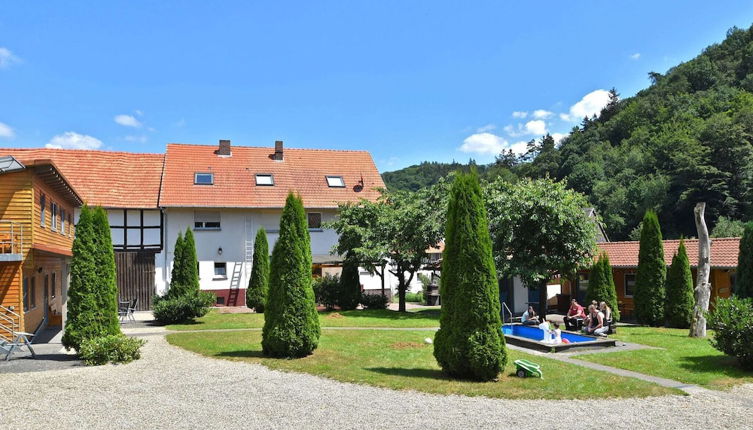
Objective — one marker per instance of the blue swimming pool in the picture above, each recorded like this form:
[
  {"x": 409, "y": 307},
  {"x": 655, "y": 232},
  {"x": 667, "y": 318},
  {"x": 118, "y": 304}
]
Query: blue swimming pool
[{"x": 535, "y": 333}]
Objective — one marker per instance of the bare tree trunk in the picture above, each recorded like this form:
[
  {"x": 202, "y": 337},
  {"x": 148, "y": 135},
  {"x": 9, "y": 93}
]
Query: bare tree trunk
[
  {"x": 542, "y": 299},
  {"x": 702, "y": 286}
]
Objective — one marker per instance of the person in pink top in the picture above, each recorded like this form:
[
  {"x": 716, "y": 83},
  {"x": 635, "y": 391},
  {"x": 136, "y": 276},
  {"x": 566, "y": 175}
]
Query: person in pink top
[{"x": 574, "y": 315}]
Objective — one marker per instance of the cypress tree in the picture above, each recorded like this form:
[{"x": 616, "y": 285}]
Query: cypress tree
[
  {"x": 258, "y": 285},
  {"x": 190, "y": 262},
  {"x": 82, "y": 320},
  {"x": 744, "y": 280},
  {"x": 107, "y": 291},
  {"x": 291, "y": 324},
  {"x": 350, "y": 285},
  {"x": 177, "y": 283},
  {"x": 601, "y": 285},
  {"x": 650, "y": 278},
  {"x": 596, "y": 282},
  {"x": 469, "y": 343},
  {"x": 680, "y": 293}
]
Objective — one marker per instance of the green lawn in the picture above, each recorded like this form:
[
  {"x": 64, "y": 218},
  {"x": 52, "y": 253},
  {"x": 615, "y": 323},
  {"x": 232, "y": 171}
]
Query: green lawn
[
  {"x": 357, "y": 318},
  {"x": 681, "y": 358},
  {"x": 399, "y": 359}
]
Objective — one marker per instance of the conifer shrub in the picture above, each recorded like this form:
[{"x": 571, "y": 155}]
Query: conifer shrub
[
  {"x": 350, "y": 286},
  {"x": 680, "y": 293},
  {"x": 191, "y": 262},
  {"x": 649, "y": 295},
  {"x": 732, "y": 323},
  {"x": 83, "y": 318},
  {"x": 469, "y": 343},
  {"x": 258, "y": 285},
  {"x": 291, "y": 323},
  {"x": 601, "y": 285},
  {"x": 107, "y": 291},
  {"x": 177, "y": 275},
  {"x": 183, "y": 309},
  {"x": 744, "y": 281},
  {"x": 111, "y": 348}
]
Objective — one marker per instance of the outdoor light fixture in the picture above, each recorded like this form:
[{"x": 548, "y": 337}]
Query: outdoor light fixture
[{"x": 219, "y": 250}]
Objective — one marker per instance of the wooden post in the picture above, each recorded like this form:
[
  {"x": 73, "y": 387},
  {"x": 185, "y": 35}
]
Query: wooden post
[{"x": 702, "y": 286}]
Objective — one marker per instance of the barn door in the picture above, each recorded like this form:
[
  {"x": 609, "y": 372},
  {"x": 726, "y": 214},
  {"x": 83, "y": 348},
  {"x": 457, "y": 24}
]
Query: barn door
[{"x": 135, "y": 274}]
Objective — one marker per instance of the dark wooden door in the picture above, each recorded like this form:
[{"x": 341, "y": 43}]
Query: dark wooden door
[{"x": 135, "y": 273}]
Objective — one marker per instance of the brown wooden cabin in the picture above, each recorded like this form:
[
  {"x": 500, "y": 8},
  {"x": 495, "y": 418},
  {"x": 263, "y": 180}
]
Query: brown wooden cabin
[
  {"x": 623, "y": 256},
  {"x": 36, "y": 237}
]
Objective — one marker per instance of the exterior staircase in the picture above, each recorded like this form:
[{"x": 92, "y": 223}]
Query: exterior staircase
[{"x": 10, "y": 322}]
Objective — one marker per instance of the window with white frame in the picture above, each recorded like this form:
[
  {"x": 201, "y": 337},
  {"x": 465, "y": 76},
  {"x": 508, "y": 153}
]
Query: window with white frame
[
  {"x": 54, "y": 216},
  {"x": 265, "y": 180},
  {"x": 203, "y": 178},
  {"x": 335, "y": 181},
  {"x": 220, "y": 270},
  {"x": 314, "y": 220},
  {"x": 206, "y": 220}
]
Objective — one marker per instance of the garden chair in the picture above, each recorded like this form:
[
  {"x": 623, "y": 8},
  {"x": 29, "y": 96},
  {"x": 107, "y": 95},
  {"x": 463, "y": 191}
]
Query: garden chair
[
  {"x": 21, "y": 340},
  {"x": 126, "y": 309}
]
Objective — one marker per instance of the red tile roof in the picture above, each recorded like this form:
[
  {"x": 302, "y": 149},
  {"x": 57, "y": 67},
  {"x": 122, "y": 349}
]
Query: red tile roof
[
  {"x": 301, "y": 170},
  {"x": 107, "y": 178},
  {"x": 724, "y": 252}
]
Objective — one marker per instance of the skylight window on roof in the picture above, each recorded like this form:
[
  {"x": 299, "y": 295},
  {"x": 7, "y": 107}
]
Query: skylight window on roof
[
  {"x": 335, "y": 181},
  {"x": 263, "y": 179},
  {"x": 203, "y": 178}
]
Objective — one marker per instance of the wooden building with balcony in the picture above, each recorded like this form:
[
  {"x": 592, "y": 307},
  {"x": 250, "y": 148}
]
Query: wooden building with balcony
[{"x": 36, "y": 236}]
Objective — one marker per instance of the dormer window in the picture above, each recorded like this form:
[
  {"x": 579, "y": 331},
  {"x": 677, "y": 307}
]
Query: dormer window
[
  {"x": 265, "y": 180},
  {"x": 203, "y": 178},
  {"x": 335, "y": 181}
]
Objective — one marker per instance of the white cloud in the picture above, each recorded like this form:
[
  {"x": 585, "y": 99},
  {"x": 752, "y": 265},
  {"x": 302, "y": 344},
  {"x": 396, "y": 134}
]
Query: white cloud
[
  {"x": 136, "y": 139},
  {"x": 127, "y": 121},
  {"x": 483, "y": 143},
  {"x": 519, "y": 114},
  {"x": 590, "y": 105},
  {"x": 542, "y": 114},
  {"x": 558, "y": 137},
  {"x": 487, "y": 127},
  {"x": 6, "y": 131},
  {"x": 72, "y": 140},
  {"x": 635, "y": 56},
  {"x": 519, "y": 147},
  {"x": 139, "y": 112},
  {"x": 7, "y": 58},
  {"x": 565, "y": 117},
  {"x": 537, "y": 127}
]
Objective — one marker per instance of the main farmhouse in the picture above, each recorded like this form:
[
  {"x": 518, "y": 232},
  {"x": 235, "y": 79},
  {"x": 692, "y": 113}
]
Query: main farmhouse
[{"x": 223, "y": 193}]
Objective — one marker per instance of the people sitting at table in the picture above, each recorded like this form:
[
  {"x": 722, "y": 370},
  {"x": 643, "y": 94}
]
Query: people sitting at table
[
  {"x": 595, "y": 322},
  {"x": 574, "y": 315},
  {"x": 529, "y": 317}
]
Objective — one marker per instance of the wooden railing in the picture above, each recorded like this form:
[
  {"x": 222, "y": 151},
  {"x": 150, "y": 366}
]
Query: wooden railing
[{"x": 11, "y": 237}]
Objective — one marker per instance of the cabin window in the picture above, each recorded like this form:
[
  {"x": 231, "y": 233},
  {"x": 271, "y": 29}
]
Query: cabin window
[
  {"x": 220, "y": 270},
  {"x": 265, "y": 180},
  {"x": 26, "y": 293},
  {"x": 315, "y": 220},
  {"x": 205, "y": 220},
  {"x": 33, "y": 293},
  {"x": 203, "y": 178},
  {"x": 53, "y": 216},
  {"x": 629, "y": 284},
  {"x": 335, "y": 181},
  {"x": 62, "y": 221},
  {"x": 42, "y": 209}
]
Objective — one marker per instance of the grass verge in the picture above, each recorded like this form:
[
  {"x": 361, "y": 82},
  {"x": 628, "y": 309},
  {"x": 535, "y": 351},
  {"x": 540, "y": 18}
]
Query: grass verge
[
  {"x": 401, "y": 360},
  {"x": 685, "y": 359},
  {"x": 356, "y": 318}
]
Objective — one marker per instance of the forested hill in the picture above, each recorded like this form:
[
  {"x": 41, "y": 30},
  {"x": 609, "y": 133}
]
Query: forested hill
[{"x": 686, "y": 138}]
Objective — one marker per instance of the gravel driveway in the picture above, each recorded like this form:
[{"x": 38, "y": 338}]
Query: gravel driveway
[{"x": 173, "y": 388}]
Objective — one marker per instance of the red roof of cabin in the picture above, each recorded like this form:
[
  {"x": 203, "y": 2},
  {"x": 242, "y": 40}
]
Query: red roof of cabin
[
  {"x": 301, "y": 170},
  {"x": 106, "y": 178},
  {"x": 724, "y": 252}
]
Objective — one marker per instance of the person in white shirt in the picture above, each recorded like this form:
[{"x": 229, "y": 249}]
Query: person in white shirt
[{"x": 529, "y": 317}]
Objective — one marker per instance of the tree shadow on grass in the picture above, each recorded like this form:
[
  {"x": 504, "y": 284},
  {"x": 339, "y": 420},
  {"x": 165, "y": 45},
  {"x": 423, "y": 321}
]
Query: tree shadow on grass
[
  {"x": 411, "y": 373},
  {"x": 716, "y": 364},
  {"x": 427, "y": 314},
  {"x": 242, "y": 354}
]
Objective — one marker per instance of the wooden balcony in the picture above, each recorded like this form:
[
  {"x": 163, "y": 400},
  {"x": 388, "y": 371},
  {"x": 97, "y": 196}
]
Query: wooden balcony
[{"x": 11, "y": 241}]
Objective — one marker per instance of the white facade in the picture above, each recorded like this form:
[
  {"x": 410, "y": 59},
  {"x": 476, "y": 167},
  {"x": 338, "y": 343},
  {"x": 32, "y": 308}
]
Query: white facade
[{"x": 232, "y": 243}]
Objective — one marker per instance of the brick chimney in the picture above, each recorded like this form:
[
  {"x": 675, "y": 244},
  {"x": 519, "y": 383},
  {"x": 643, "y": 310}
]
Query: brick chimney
[
  {"x": 224, "y": 149},
  {"x": 278, "y": 151}
]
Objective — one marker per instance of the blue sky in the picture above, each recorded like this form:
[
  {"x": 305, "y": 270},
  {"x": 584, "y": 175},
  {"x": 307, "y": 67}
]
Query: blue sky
[{"x": 406, "y": 80}]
